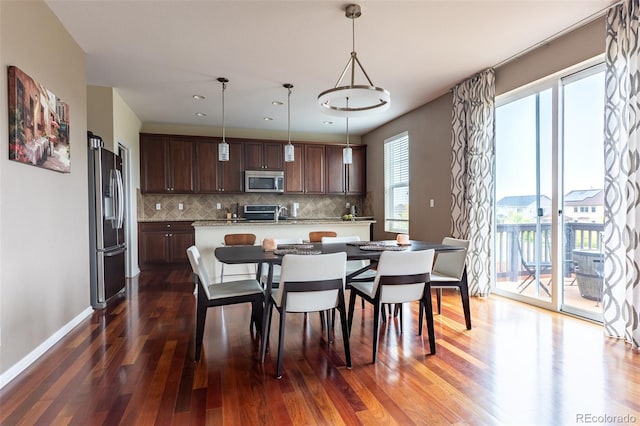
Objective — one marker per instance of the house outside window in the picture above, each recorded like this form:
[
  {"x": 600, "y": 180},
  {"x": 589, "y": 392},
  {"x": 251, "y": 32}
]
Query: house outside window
[{"x": 396, "y": 183}]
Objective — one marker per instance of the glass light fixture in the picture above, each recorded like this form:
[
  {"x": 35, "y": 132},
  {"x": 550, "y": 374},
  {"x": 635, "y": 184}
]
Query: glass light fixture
[
  {"x": 223, "y": 147},
  {"x": 366, "y": 98},
  {"x": 347, "y": 153},
  {"x": 289, "y": 150}
]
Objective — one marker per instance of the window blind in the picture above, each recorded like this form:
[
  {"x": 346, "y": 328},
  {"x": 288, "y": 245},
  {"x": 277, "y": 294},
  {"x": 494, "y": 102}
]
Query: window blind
[{"x": 396, "y": 183}]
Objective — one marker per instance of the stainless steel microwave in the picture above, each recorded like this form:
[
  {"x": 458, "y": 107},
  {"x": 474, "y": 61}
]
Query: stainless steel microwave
[{"x": 263, "y": 181}]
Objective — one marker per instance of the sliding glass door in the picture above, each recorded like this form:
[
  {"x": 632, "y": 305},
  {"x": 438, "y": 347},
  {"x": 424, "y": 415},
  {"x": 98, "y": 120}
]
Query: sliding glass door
[
  {"x": 549, "y": 192},
  {"x": 524, "y": 194}
]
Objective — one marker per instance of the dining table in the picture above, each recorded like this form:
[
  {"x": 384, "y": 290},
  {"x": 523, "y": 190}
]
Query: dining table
[{"x": 361, "y": 250}]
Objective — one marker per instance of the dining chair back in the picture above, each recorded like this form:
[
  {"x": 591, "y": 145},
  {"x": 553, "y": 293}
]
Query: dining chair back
[
  {"x": 316, "y": 236},
  {"x": 236, "y": 272},
  {"x": 275, "y": 280},
  {"x": 310, "y": 283},
  {"x": 211, "y": 294},
  {"x": 449, "y": 272},
  {"x": 402, "y": 276}
]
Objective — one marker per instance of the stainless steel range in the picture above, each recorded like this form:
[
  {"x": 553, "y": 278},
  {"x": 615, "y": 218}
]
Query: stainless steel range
[{"x": 263, "y": 212}]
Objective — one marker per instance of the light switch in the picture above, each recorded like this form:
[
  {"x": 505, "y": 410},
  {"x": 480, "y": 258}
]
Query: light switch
[
  {"x": 180, "y": 206},
  {"x": 158, "y": 206},
  {"x": 218, "y": 206},
  {"x": 432, "y": 203}
]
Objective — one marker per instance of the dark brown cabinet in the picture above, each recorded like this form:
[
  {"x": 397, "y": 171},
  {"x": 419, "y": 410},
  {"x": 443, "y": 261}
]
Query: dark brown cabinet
[
  {"x": 260, "y": 155},
  {"x": 346, "y": 178},
  {"x": 164, "y": 243},
  {"x": 305, "y": 175},
  {"x": 167, "y": 164},
  {"x": 215, "y": 176}
]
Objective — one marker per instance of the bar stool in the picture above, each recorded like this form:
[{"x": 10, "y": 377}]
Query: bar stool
[
  {"x": 316, "y": 236},
  {"x": 238, "y": 240}
]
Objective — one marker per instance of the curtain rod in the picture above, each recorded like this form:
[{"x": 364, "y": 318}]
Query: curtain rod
[{"x": 560, "y": 33}]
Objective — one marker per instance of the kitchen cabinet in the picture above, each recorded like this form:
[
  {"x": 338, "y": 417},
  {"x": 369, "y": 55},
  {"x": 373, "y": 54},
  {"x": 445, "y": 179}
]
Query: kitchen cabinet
[
  {"x": 305, "y": 175},
  {"x": 164, "y": 243},
  {"x": 167, "y": 164},
  {"x": 346, "y": 178},
  {"x": 261, "y": 155},
  {"x": 213, "y": 176}
]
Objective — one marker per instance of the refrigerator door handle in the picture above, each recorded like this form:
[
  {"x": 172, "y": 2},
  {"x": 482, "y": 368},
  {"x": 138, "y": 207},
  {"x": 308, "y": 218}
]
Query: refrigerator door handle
[
  {"x": 120, "y": 200},
  {"x": 114, "y": 252}
]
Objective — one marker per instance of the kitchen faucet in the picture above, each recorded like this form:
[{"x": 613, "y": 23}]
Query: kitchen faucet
[{"x": 277, "y": 212}]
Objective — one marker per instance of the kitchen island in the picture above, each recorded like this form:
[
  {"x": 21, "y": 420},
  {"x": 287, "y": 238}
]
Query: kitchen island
[{"x": 210, "y": 234}]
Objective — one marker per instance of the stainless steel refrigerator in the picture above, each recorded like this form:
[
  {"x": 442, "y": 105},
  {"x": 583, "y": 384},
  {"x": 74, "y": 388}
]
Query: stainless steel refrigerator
[{"x": 106, "y": 223}]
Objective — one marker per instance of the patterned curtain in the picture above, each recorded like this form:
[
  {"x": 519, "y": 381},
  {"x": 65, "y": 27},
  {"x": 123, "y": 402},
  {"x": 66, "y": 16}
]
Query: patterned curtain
[
  {"x": 473, "y": 175},
  {"x": 621, "y": 298}
]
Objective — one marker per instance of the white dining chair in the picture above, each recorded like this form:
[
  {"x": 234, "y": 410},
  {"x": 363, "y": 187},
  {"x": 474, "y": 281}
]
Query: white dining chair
[
  {"x": 310, "y": 283},
  {"x": 276, "y": 268},
  {"x": 402, "y": 276},
  {"x": 210, "y": 294},
  {"x": 449, "y": 272}
]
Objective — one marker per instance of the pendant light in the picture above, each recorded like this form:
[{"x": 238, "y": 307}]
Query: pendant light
[
  {"x": 366, "y": 98},
  {"x": 347, "y": 153},
  {"x": 289, "y": 150},
  {"x": 223, "y": 147}
]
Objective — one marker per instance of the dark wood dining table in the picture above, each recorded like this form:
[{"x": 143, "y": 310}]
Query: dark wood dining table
[{"x": 256, "y": 254}]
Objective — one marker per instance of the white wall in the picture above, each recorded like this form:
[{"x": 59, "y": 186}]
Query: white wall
[{"x": 44, "y": 236}]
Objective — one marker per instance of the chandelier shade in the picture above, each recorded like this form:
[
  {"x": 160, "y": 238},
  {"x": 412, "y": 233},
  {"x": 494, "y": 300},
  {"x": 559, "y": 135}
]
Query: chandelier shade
[{"x": 365, "y": 98}]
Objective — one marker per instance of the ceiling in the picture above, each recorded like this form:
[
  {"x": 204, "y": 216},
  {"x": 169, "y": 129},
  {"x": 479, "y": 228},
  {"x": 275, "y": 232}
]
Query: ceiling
[{"x": 158, "y": 54}]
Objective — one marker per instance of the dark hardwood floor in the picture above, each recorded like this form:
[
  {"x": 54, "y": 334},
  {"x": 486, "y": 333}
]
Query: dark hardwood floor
[{"x": 133, "y": 364}]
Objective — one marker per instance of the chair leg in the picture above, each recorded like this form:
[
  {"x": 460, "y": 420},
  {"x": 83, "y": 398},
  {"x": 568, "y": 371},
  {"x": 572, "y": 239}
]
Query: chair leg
[
  {"x": 428, "y": 311},
  {"x": 257, "y": 311},
  {"x": 280, "y": 344},
  {"x": 439, "y": 300},
  {"x": 265, "y": 338},
  {"x": 322, "y": 320},
  {"x": 201, "y": 316},
  {"x": 420, "y": 317},
  {"x": 464, "y": 294},
  {"x": 376, "y": 329}
]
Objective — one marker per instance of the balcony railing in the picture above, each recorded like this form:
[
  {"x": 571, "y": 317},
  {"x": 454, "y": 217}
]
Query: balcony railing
[{"x": 509, "y": 262}]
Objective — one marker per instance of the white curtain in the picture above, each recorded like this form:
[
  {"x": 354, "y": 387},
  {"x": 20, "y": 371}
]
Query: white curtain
[
  {"x": 473, "y": 175},
  {"x": 621, "y": 298}
]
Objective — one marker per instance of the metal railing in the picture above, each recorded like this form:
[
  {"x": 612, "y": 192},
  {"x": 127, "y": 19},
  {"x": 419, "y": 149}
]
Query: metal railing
[{"x": 515, "y": 246}]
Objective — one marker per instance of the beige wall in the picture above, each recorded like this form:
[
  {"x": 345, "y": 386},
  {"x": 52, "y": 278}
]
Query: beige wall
[
  {"x": 100, "y": 113},
  {"x": 44, "y": 256},
  {"x": 429, "y": 130}
]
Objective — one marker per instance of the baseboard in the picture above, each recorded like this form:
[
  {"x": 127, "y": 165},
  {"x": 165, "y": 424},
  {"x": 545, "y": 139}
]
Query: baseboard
[{"x": 25, "y": 362}]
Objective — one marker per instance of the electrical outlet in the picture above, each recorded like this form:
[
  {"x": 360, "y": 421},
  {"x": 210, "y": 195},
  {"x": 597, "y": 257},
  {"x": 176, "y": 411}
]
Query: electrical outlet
[
  {"x": 348, "y": 205},
  {"x": 158, "y": 206},
  {"x": 180, "y": 206},
  {"x": 432, "y": 203},
  {"x": 218, "y": 206}
]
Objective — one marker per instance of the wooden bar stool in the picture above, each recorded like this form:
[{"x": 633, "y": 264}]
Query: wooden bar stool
[
  {"x": 316, "y": 236},
  {"x": 238, "y": 240}
]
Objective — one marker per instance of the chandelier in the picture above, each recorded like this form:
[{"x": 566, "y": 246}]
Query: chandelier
[{"x": 364, "y": 98}]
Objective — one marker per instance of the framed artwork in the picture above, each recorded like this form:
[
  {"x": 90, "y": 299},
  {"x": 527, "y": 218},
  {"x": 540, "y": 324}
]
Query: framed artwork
[{"x": 38, "y": 124}]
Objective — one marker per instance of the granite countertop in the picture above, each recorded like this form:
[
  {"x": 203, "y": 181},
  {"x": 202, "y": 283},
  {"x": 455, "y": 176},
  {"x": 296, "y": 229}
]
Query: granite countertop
[{"x": 297, "y": 221}]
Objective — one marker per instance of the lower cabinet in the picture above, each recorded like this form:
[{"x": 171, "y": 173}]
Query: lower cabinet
[{"x": 164, "y": 243}]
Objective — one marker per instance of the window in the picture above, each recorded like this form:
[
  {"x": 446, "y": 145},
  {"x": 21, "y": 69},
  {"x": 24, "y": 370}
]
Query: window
[
  {"x": 593, "y": 209},
  {"x": 396, "y": 183}
]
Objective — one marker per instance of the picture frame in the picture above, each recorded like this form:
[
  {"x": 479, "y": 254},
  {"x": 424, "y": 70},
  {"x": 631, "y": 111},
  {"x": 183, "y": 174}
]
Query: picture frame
[{"x": 38, "y": 124}]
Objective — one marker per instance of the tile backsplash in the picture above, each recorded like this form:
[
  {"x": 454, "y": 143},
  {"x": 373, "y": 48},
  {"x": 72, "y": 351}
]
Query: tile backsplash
[{"x": 203, "y": 206}]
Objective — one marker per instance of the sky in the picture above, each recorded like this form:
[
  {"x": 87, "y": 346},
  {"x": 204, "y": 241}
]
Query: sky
[{"x": 583, "y": 140}]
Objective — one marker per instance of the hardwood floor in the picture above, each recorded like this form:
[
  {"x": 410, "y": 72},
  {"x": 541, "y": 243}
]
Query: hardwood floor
[{"x": 133, "y": 364}]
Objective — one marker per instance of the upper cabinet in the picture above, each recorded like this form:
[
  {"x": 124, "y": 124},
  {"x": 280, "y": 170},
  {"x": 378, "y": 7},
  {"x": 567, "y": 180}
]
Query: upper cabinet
[
  {"x": 260, "y": 155},
  {"x": 346, "y": 178},
  {"x": 167, "y": 164},
  {"x": 215, "y": 176},
  {"x": 305, "y": 175}
]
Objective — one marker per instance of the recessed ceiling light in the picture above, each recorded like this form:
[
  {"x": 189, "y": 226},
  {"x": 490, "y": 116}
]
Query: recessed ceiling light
[
  {"x": 327, "y": 122},
  {"x": 277, "y": 103},
  {"x": 267, "y": 118},
  {"x": 201, "y": 114},
  {"x": 198, "y": 97}
]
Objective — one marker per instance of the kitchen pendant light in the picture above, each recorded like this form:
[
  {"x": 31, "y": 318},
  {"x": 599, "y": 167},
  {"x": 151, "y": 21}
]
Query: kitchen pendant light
[
  {"x": 289, "y": 150},
  {"x": 223, "y": 147},
  {"x": 365, "y": 98},
  {"x": 347, "y": 153}
]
